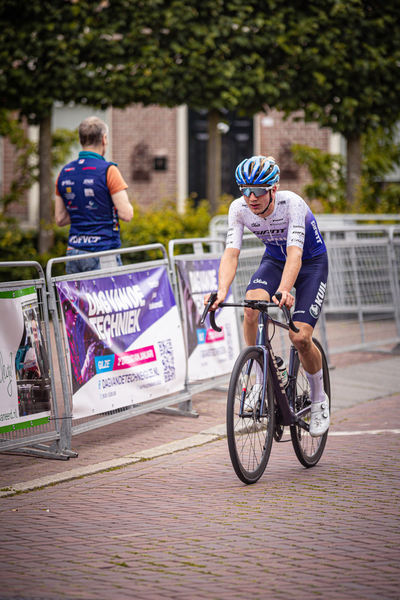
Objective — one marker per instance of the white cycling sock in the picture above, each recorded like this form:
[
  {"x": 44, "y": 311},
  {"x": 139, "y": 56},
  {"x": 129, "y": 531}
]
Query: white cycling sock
[{"x": 316, "y": 382}]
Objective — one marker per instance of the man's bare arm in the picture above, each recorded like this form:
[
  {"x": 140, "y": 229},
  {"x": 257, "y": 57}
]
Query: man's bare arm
[{"x": 61, "y": 214}]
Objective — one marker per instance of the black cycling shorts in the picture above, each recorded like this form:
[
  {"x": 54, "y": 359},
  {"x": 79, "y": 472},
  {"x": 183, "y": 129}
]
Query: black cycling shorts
[{"x": 310, "y": 284}]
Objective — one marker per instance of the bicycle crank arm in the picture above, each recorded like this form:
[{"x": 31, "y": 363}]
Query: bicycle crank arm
[{"x": 302, "y": 424}]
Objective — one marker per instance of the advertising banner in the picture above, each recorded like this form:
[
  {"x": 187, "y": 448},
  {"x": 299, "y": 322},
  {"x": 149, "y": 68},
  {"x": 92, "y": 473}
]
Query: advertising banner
[
  {"x": 209, "y": 353},
  {"x": 124, "y": 340},
  {"x": 25, "y": 397}
]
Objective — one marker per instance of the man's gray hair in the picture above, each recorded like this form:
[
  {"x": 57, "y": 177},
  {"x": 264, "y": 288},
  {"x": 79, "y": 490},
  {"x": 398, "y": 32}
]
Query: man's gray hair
[{"x": 91, "y": 131}]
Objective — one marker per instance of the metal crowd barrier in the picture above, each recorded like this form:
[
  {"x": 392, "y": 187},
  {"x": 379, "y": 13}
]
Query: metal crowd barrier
[
  {"x": 361, "y": 311},
  {"x": 37, "y": 423},
  {"x": 326, "y": 222},
  {"x": 214, "y": 250},
  {"x": 74, "y": 426},
  {"x": 362, "y": 301}
]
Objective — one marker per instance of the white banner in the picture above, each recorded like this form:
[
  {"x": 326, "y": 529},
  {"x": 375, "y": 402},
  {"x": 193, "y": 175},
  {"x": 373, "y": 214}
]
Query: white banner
[
  {"x": 24, "y": 376},
  {"x": 125, "y": 340},
  {"x": 209, "y": 353}
]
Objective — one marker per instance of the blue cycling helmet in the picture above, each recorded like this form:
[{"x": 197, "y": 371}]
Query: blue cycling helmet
[{"x": 257, "y": 170}]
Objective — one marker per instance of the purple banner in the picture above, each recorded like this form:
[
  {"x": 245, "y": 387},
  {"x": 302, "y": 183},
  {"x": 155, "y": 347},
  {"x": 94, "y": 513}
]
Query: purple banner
[{"x": 105, "y": 317}]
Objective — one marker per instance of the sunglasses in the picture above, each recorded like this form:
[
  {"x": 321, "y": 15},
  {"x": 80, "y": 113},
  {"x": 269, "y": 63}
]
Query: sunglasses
[{"x": 256, "y": 191}]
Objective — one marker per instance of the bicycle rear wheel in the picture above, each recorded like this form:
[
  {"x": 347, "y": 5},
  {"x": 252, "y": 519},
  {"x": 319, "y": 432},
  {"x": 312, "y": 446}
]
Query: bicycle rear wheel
[
  {"x": 250, "y": 433},
  {"x": 308, "y": 449}
]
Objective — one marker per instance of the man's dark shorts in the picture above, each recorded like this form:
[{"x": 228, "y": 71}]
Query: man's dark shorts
[{"x": 310, "y": 284}]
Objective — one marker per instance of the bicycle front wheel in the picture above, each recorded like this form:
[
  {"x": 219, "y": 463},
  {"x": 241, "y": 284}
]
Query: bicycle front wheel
[
  {"x": 308, "y": 449},
  {"x": 249, "y": 426}
]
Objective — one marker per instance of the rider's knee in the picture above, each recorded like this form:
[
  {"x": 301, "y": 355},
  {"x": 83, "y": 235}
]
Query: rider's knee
[
  {"x": 302, "y": 340},
  {"x": 250, "y": 315}
]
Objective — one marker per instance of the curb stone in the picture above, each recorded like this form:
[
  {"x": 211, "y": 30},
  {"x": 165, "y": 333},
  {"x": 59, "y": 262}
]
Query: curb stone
[
  {"x": 200, "y": 439},
  {"x": 193, "y": 441}
]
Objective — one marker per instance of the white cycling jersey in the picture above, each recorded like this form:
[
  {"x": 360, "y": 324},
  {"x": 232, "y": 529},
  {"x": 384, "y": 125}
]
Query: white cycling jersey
[{"x": 291, "y": 224}]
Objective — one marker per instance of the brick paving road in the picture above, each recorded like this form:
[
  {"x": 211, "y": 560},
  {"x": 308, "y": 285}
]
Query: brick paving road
[
  {"x": 183, "y": 526},
  {"x": 142, "y": 433}
]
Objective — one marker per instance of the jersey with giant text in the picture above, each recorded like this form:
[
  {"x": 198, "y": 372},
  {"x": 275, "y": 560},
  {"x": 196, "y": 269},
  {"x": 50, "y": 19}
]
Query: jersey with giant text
[{"x": 291, "y": 224}]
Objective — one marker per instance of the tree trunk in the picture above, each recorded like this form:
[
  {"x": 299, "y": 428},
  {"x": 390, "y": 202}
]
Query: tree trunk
[
  {"x": 213, "y": 160},
  {"x": 45, "y": 240},
  {"x": 354, "y": 169}
]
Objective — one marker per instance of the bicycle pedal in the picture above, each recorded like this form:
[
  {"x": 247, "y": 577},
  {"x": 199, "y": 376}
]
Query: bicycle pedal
[{"x": 278, "y": 433}]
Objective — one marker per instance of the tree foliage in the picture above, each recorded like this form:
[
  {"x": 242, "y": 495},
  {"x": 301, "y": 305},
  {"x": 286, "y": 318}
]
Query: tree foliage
[
  {"x": 69, "y": 51},
  {"x": 335, "y": 61},
  {"x": 381, "y": 156},
  {"x": 328, "y": 181},
  {"x": 24, "y": 177},
  {"x": 164, "y": 224},
  {"x": 346, "y": 59},
  {"x": 158, "y": 225},
  {"x": 27, "y": 163}
]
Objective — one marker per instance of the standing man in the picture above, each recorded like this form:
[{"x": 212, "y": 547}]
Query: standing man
[
  {"x": 91, "y": 196},
  {"x": 295, "y": 256}
]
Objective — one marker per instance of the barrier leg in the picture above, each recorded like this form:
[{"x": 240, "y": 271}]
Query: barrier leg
[
  {"x": 43, "y": 451},
  {"x": 184, "y": 409}
]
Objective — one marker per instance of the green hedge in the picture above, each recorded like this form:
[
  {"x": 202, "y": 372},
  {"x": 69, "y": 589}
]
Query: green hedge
[
  {"x": 18, "y": 244},
  {"x": 164, "y": 224},
  {"x": 156, "y": 225}
]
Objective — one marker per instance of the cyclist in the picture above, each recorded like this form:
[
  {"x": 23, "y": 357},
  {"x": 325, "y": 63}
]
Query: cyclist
[{"x": 295, "y": 256}]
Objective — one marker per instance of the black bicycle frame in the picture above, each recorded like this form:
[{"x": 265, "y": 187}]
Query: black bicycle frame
[
  {"x": 263, "y": 341},
  {"x": 285, "y": 397}
]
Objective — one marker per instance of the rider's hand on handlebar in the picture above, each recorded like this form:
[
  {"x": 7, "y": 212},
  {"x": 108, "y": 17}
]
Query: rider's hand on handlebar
[
  {"x": 286, "y": 300},
  {"x": 220, "y": 298}
]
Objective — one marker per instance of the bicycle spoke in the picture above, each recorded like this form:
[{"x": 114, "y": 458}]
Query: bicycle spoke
[
  {"x": 308, "y": 449},
  {"x": 249, "y": 433}
]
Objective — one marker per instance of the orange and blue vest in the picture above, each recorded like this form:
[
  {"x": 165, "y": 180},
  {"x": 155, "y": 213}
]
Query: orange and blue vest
[{"x": 82, "y": 184}]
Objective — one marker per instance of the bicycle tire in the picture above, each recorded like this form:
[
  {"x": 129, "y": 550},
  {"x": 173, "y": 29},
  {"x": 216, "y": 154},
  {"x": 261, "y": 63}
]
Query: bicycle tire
[
  {"x": 308, "y": 449},
  {"x": 249, "y": 436}
]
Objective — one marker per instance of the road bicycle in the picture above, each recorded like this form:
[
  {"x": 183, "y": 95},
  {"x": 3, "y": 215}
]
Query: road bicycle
[{"x": 259, "y": 403}]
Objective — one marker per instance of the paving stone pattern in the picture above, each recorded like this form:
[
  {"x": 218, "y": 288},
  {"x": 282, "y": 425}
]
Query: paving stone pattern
[
  {"x": 152, "y": 429},
  {"x": 183, "y": 525}
]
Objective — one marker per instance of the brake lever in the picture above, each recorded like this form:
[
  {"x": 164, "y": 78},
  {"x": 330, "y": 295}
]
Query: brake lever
[
  {"x": 211, "y": 300},
  {"x": 286, "y": 312}
]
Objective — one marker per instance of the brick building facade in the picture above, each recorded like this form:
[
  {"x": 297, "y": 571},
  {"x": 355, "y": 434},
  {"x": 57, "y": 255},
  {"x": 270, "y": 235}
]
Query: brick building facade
[
  {"x": 141, "y": 136},
  {"x": 150, "y": 145}
]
